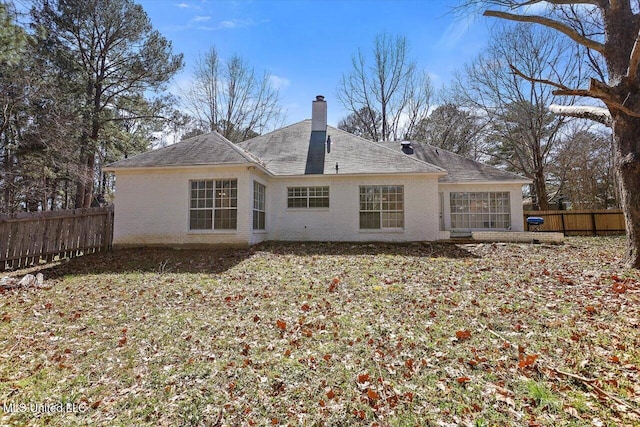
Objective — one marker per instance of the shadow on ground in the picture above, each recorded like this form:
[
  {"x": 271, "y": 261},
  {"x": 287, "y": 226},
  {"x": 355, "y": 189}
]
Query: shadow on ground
[
  {"x": 416, "y": 249},
  {"x": 218, "y": 260},
  {"x": 146, "y": 260}
]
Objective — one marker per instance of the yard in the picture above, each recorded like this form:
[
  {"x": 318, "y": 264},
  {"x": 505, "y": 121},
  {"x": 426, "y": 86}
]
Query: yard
[{"x": 328, "y": 334}]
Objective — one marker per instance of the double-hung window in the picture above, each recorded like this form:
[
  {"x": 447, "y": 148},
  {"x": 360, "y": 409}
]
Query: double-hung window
[
  {"x": 381, "y": 206},
  {"x": 259, "y": 210},
  {"x": 213, "y": 205},
  {"x": 308, "y": 197}
]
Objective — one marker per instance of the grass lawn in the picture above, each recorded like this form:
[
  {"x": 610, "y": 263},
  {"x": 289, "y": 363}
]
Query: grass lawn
[{"x": 328, "y": 334}]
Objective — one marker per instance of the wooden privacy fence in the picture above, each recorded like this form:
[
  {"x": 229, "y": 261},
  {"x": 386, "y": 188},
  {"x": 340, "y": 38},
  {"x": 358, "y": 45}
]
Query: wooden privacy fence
[
  {"x": 29, "y": 237},
  {"x": 580, "y": 222}
]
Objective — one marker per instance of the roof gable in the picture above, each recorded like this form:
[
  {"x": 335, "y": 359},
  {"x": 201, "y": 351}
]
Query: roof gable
[
  {"x": 207, "y": 149},
  {"x": 295, "y": 150}
]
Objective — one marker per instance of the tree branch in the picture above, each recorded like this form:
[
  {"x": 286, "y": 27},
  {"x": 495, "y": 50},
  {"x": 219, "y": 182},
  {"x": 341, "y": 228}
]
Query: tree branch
[
  {"x": 596, "y": 90},
  {"x": 574, "y": 92},
  {"x": 137, "y": 117},
  {"x": 534, "y": 80},
  {"x": 602, "y": 91},
  {"x": 634, "y": 60},
  {"x": 532, "y": 2},
  {"x": 597, "y": 114},
  {"x": 535, "y": 19}
]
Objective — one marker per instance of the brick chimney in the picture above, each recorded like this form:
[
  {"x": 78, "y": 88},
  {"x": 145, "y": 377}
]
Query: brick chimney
[{"x": 319, "y": 114}]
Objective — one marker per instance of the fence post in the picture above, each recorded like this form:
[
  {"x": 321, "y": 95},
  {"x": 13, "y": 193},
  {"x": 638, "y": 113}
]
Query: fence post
[{"x": 564, "y": 228}]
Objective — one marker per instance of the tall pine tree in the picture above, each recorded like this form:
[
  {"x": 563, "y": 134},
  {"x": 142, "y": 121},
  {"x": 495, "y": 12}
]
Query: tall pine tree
[{"x": 110, "y": 56}]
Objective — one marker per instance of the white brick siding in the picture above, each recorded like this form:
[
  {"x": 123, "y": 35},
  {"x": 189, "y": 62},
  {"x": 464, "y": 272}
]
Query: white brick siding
[
  {"x": 152, "y": 208},
  {"x": 341, "y": 221}
]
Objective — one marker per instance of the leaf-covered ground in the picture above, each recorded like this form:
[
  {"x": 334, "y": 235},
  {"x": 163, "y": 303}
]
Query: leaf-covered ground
[{"x": 328, "y": 334}]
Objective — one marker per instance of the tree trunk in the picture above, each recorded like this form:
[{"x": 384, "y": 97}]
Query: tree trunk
[
  {"x": 9, "y": 182},
  {"x": 89, "y": 185},
  {"x": 541, "y": 190},
  {"x": 84, "y": 186},
  {"x": 79, "y": 194},
  {"x": 626, "y": 139}
]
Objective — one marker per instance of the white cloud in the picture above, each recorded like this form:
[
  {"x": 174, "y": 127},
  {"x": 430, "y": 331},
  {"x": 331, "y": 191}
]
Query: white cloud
[
  {"x": 184, "y": 5},
  {"x": 231, "y": 24},
  {"x": 455, "y": 31},
  {"x": 201, "y": 18},
  {"x": 228, "y": 24},
  {"x": 279, "y": 82}
]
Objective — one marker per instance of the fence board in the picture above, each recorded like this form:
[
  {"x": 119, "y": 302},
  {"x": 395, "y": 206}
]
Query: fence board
[
  {"x": 4, "y": 242},
  {"x": 580, "y": 222},
  {"x": 28, "y": 238}
]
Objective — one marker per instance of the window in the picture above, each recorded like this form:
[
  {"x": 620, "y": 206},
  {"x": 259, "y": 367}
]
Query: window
[
  {"x": 491, "y": 210},
  {"x": 258, "y": 206},
  {"x": 308, "y": 197},
  {"x": 213, "y": 205},
  {"x": 381, "y": 207}
]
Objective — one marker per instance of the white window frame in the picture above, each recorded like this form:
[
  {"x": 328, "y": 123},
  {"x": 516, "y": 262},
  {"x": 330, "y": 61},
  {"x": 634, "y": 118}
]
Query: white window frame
[
  {"x": 480, "y": 210},
  {"x": 218, "y": 200},
  {"x": 381, "y": 207},
  {"x": 259, "y": 206},
  {"x": 312, "y": 197}
]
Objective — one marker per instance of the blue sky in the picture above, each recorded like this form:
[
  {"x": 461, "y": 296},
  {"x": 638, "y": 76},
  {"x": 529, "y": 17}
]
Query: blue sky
[{"x": 307, "y": 45}]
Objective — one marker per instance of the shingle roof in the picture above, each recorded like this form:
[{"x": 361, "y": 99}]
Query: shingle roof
[
  {"x": 208, "y": 149},
  {"x": 460, "y": 169},
  {"x": 293, "y": 150}
]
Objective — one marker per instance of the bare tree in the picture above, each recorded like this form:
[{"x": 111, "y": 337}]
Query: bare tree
[
  {"x": 454, "y": 129},
  {"x": 361, "y": 123},
  {"x": 522, "y": 133},
  {"x": 230, "y": 98},
  {"x": 584, "y": 167},
  {"x": 609, "y": 31},
  {"x": 386, "y": 94}
]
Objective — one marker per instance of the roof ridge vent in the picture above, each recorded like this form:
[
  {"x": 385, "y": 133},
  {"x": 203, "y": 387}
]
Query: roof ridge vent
[{"x": 407, "y": 148}]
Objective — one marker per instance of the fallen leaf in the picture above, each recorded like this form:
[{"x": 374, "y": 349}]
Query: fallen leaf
[
  {"x": 463, "y": 335},
  {"x": 526, "y": 361},
  {"x": 619, "y": 287}
]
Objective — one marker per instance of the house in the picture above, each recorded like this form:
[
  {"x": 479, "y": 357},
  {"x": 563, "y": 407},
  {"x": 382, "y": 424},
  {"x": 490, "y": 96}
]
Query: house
[{"x": 307, "y": 182}]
